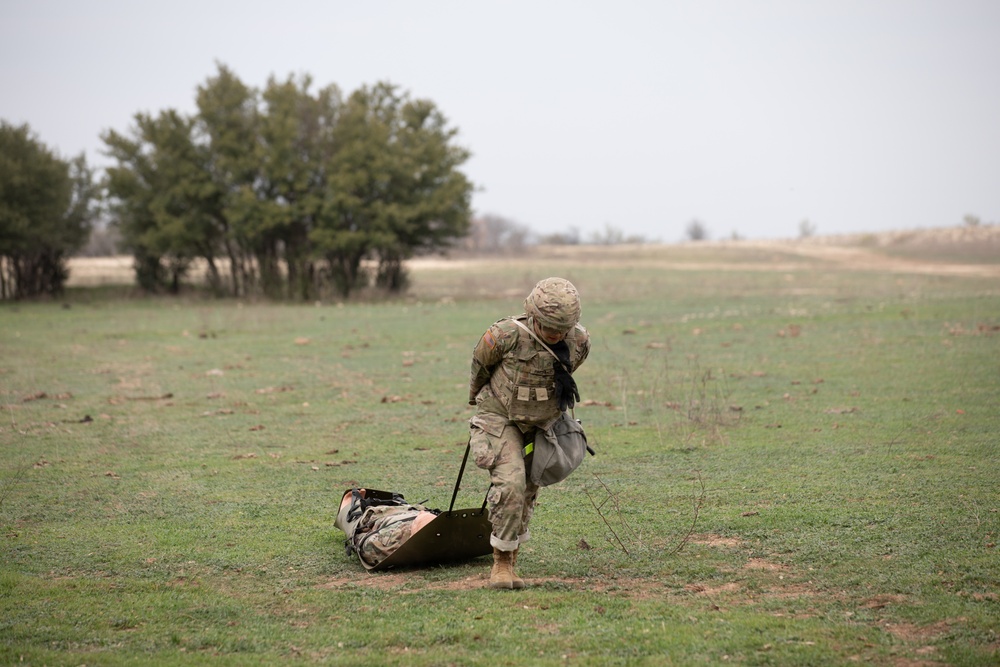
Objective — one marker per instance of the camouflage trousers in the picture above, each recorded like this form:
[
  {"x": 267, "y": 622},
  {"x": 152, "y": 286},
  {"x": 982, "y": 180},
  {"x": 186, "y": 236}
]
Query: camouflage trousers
[
  {"x": 382, "y": 530},
  {"x": 512, "y": 496}
]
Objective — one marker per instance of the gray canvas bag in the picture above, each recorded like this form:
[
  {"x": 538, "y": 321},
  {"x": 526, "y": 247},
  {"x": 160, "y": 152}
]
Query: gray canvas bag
[{"x": 559, "y": 450}]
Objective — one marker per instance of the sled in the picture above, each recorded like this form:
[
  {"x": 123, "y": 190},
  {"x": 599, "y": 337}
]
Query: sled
[{"x": 451, "y": 536}]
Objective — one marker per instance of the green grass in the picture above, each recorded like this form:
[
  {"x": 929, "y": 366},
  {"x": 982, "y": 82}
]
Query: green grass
[{"x": 794, "y": 468}]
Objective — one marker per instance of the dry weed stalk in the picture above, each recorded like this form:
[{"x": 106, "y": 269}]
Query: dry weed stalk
[
  {"x": 698, "y": 503},
  {"x": 613, "y": 497}
]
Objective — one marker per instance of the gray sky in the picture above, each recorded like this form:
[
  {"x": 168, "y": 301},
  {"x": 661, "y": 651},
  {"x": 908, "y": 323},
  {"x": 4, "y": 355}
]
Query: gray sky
[{"x": 859, "y": 115}]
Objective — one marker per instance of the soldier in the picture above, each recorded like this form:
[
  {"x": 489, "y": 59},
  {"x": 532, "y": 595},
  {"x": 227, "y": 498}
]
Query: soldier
[
  {"x": 377, "y": 527},
  {"x": 518, "y": 387}
]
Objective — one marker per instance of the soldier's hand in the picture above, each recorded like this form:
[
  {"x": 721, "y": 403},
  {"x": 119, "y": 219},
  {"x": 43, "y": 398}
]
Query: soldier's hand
[
  {"x": 569, "y": 399},
  {"x": 566, "y": 390}
]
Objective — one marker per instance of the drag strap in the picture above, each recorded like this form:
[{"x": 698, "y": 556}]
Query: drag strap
[{"x": 461, "y": 471}]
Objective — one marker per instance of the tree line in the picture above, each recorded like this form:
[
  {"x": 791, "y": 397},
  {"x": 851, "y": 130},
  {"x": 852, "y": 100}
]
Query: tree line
[
  {"x": 47, "y": 205},
  {"x": 281, "y": 192}
]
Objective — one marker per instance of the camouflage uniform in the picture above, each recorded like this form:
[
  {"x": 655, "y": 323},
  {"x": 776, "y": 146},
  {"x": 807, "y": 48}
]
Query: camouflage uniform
[
  {"x": 376, "y": 531},
  {"x": 383, "y": 530},
  {"x": 513, "y": 388}
]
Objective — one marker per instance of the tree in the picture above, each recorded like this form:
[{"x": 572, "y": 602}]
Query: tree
[
  {"x": 614, "y": 236},
  {"x": 806, "y": 229},
  {"x": 696, "y": 230},
  {"x": 611, "y": 236},
  {"x": 569, "y": 237},
  {"x": 104, "y": 241},
  {"x": 297, "y": 189},
  {"x": 164, "y": 199},
  {"x": 47, "y": 206},
  {"x": 296, "y": 135},
  {"x": 228, "y": 121},
  {"x": 393, "y": 188},
  {"x": 496, "y": 234}
]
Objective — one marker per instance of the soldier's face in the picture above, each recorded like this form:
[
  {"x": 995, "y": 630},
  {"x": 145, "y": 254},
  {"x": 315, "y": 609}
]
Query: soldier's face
[{"x": 550, "y": 336}]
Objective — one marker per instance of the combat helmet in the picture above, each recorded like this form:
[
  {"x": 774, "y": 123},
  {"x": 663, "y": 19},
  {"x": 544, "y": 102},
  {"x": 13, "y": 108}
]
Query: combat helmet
[{"x": 554, "y": 303}]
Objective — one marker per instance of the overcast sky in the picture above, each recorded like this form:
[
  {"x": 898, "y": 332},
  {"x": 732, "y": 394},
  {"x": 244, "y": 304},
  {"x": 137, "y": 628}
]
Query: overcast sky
[{"x": 748, "y": 115}]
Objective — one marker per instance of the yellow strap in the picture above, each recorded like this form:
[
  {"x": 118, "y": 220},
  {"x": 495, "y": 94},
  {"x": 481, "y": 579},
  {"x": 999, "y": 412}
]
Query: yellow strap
[{"x": 530, "y": 447}]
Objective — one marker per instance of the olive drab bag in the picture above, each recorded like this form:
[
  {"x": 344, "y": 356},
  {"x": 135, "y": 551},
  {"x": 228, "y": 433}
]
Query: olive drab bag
[{"x": 558, "y": 451}]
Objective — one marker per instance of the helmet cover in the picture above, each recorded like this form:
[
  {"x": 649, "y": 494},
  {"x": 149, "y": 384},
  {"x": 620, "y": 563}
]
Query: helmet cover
[{"x": 554, "y": 303}]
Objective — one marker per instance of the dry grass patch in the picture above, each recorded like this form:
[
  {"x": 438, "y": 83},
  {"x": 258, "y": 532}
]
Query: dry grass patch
[{"x": 716, "y": 541}]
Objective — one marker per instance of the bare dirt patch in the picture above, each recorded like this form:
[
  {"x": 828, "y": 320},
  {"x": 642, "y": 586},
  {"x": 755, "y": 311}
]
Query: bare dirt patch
[
  {"x": 411, "y": 582},
  {"x": 386, "y": 581},
  {"x": 916, "y": 634},
  {"x": 763, "y": 564},
  {"x": 880, "y": 601},
  {"x": 713, "y": 591}
]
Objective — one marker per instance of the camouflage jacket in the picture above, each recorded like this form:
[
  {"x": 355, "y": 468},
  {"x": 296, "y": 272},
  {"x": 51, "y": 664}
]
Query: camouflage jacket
[{"x": 512, "y": 375}]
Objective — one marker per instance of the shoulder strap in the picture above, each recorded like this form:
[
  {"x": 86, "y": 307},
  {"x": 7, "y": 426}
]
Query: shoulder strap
[{"x": 547, "y": 348}]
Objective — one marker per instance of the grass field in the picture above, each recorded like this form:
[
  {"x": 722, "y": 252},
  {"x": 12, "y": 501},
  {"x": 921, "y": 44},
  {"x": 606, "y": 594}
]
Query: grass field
[{"x": 797, "y": 464}]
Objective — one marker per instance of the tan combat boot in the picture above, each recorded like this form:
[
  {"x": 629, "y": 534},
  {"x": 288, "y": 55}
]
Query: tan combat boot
[{"x": 502, "y": 575}]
